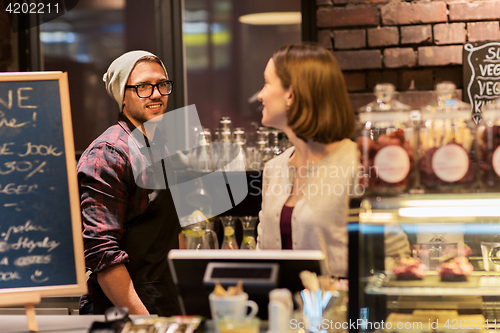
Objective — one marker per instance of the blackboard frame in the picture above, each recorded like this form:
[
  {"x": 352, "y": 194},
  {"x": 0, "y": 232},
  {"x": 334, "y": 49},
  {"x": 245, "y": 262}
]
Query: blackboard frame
[{"x": 12, "y": 296}]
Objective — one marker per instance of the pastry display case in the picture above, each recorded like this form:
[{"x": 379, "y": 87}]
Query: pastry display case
[{"x": 432, "y": 259}]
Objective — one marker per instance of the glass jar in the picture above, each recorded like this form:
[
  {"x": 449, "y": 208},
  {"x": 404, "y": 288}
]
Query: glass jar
[
  {"x": 386, "y": 144},
  {"x": 488, "y": 141},
  {"x": 446, "y": 143},
  {"x": 197, "y": 236}
]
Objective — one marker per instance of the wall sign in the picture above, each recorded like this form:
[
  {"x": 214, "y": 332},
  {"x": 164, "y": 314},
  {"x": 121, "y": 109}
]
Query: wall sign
[
  {"x": 481, "y": 69},
  {"x": 41, "y": 246}
]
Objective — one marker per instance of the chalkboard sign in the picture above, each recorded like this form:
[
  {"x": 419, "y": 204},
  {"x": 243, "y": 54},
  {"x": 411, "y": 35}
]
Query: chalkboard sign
[
  {"x": 41, "y": 245},
  {"x": 481, "y": 71}
]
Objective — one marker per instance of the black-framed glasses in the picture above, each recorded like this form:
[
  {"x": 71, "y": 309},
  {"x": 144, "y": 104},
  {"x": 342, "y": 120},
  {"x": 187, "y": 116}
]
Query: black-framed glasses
[{"x": 145, "y": 90}]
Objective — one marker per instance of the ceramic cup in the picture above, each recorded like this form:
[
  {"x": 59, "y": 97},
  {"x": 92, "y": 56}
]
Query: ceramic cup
[
  {"x": 491, "y": 256},
  {"x": 231, "y": 308}
]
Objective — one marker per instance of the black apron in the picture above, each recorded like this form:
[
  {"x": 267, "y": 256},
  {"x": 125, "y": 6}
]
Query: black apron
[{"x": 147, "y": 241}]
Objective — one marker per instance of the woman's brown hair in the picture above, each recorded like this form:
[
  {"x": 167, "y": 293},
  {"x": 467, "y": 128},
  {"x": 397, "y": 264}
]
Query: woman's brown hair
[{"x": 321, "y": 110}]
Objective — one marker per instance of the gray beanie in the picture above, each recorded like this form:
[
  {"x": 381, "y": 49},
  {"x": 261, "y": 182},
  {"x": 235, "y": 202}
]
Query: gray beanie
[{"x": 118, "y": 72}]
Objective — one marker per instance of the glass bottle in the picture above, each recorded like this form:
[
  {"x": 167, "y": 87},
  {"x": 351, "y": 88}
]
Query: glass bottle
[
  {"x": 225, "y": 125},
  {"x": 204, "y": 157},
  {"x": 264, "y": 151},
  {"x": 216, "y": 135},
  {"x": 225, "y": 146},
  {"x": 249, "y": 223},
  {"x": 274, "y": 143},
  {"x": 229, "y": 240},
  {"x": 284, "y": 142},
  {"x": 240, "y": 150}
]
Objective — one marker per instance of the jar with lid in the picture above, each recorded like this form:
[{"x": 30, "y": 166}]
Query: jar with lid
[
  {"x": 488, "y": 141},
  {"x": 447, "y": 161},
  {"x": 386, "y": 143}
]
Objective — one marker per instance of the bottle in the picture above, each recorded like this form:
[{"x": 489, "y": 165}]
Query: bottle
[
  {"x": 274, "y": 143},
  {"x": 204, "y": 158},
  {"x": 240, "y": 162},
  {"x": 284, "y": 142},
  {"x": 264, "y": 151},
  {"x": 225, "y": 151}
]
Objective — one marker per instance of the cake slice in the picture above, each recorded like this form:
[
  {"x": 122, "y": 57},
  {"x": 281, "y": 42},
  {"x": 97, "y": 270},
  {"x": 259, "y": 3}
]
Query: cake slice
[
  {"x": 457, "y": 269},
  {"x": 410, "y": 269}
]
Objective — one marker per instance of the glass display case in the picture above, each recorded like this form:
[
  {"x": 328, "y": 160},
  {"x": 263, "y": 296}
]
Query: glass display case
[{"x": 427, "y": 263}]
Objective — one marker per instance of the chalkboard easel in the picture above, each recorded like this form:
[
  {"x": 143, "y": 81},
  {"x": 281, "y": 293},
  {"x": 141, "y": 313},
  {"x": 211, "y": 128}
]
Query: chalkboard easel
[{"x": 41, "y": 245}]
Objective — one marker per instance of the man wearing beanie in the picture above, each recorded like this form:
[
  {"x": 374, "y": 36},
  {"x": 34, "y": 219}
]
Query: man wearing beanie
[{"x": 127, "y": 229}]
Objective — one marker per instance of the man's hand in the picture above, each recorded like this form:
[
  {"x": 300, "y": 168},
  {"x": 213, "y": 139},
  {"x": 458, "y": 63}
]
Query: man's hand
[{"x": 118, "y": 287}]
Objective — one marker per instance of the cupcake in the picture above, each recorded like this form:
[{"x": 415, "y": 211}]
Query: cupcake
[
  {"x": 455, "y": 270},
  {"x": 410, "y": 269}
]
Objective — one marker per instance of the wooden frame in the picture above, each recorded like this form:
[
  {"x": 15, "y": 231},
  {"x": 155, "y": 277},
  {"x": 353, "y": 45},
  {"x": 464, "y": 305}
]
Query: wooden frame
[{"x": 33, "y": 294}]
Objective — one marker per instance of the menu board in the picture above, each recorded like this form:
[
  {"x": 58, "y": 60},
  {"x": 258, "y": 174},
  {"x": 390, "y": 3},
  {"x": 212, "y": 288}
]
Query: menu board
[
  {"x": 41, "y": 245},
  {"x": 481, "y": 69}
]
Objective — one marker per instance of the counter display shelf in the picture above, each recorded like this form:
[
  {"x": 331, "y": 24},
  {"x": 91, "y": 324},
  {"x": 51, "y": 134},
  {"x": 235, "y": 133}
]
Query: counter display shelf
[
  {"x": 479, "y": 283},
  {"x": 433, "y": 229}
]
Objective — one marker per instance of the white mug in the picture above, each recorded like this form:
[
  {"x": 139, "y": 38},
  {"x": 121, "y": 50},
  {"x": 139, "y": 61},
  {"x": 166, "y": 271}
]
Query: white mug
[
  {"x": 491, "y": 255},
  {"x": 233, "y": 307}
]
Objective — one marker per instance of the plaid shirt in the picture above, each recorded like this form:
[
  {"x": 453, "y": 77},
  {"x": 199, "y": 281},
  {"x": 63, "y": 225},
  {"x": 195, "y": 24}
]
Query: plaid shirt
[{"x": 109, "y": 196}]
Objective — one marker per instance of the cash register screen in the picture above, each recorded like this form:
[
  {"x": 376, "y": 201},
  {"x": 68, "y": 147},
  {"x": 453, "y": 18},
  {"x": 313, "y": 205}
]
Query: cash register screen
[
  {"x": 196, "y": 271},
  {"x": 243, "y": 273}
]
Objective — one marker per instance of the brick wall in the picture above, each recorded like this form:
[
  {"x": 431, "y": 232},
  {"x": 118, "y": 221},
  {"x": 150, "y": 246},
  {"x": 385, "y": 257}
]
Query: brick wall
[{"x": 413, "y": 44}]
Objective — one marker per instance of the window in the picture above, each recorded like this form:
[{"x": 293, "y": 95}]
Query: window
[{"x": 225, "y": 58}]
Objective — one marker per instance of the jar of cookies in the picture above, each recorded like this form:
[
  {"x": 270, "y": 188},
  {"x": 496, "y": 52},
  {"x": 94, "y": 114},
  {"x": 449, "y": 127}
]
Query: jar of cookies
[
  {"x": 445, "y": 143},
  {"x": 488, "y": 140},
  {"x": 386, "y": 143}
]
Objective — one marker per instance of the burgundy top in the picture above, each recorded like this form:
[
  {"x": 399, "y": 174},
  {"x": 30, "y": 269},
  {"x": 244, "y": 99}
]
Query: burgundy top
[{"x": 286, "y": 227}]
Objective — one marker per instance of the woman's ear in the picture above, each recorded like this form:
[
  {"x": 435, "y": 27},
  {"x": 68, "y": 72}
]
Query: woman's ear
[{"x": 290, "y": 97}]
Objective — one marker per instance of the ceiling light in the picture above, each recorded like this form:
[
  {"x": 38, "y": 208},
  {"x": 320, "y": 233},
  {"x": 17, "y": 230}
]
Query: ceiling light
[{"x": 271, "y": 18}]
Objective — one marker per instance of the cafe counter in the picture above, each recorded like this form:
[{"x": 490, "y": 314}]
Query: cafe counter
[{"x": 69, "y": 324}]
